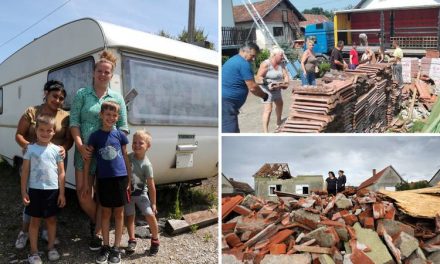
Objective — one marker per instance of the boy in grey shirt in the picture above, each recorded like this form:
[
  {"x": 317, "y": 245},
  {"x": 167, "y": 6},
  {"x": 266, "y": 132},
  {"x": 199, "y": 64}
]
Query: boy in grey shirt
[{"x": 142, "y": 185}]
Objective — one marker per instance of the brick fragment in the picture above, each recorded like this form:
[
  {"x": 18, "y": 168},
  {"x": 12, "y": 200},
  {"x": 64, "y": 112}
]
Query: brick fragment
[
  {"x": 378, "y": 210},
  {"x": 240, "y": 209},
  {"x": 350, "y": 219},
  {"x": 369, "y": 223},
  {"x": 276, "y": 249},
  {"x": 233, "y": 240}
]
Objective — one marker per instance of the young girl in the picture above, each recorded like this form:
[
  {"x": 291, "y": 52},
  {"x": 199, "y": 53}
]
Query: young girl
[
  {"x": 113, "y": 178},
  {"x": 43, "y": 173},
  {"x": 143, "y": 184}
]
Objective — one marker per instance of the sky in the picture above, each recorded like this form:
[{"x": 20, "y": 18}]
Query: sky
[
  {"x": 147, "y": 16},
  {"x": 414, "y": 157},
  {"x": 325, "y": 4}
]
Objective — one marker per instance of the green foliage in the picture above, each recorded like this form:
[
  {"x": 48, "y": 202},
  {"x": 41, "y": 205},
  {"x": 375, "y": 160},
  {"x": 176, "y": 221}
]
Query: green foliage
[
  {"x": 163, "y": 33},
  {"x": 417, "y": 126},
  {"x": 194, "y": 228},
  {"x": 177, "y": 213},
  {"x": 224, "y": 59},
  {"x": 319, "y": 11},
  {"x": 199, "y": 36},
  {"x": 262, "y": 56},
  {"x": 412, "y": 185},
  {"x": 323, "y": 68},
  {"x": 207, "y": 237}
]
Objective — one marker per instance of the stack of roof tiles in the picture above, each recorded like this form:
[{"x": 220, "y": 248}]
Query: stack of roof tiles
[
  {"x": 360, "y": 228},
  {"x": 362, "y": 100}
]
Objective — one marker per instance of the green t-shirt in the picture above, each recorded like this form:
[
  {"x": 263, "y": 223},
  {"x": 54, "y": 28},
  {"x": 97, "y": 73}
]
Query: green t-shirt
[{"x": 140, "y": 171}]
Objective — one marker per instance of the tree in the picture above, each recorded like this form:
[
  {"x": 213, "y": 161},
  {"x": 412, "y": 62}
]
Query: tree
[
  {"x": 163, "y": 33},
  {"x": 199, "y": 37},
  {"x": 319, "y": 11}
]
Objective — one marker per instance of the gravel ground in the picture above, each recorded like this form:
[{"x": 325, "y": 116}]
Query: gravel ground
[{"x": 199, "y": 246}]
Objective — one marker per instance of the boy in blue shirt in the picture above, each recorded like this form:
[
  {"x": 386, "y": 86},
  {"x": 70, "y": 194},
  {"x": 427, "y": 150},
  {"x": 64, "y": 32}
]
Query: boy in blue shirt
[
  {"x": 43, "y": 174},
  {"x": 112, "y": 178}
]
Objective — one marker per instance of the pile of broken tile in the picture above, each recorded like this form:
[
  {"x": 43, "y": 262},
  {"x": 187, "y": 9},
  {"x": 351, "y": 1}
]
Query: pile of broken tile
[
  {"x": 361, "y": 100},
  {"x": 360, "y": 228}
]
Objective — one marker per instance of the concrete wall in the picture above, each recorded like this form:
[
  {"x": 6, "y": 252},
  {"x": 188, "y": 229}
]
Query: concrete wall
[
  {"x": 389, "y": 179},
  {"x": 293, "y": 185},
  {"x": 226, "y": 186}
]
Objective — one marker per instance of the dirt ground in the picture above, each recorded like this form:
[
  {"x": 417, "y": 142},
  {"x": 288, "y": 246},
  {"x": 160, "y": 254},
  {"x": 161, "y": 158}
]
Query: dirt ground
[
  {"x": 250, "y": 117},
  {"x": 198, "y": 246}
]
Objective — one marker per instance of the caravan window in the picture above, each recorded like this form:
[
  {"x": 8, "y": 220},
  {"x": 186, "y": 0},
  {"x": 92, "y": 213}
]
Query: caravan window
[
  {"x": 1, "y": 100},
  {"x": 74, "y": 76},
  {"x": 170, "y": 93}
]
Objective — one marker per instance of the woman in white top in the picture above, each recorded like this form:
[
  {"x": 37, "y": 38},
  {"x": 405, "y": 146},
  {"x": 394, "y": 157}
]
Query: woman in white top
[{"x": 274, "y": 77}]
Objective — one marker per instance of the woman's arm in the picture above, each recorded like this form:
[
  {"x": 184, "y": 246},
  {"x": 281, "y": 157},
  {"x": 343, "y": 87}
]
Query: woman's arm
[
  {"x": 22, "y": 129},
  {"x": 86, "y": 151},
  {"x": 303, "y": 61},
  {"x": 61, "y": 184}
]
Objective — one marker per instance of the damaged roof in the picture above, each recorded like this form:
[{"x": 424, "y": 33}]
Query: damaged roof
[
  {"x": 241, "y": 186},
  {"x": 278, "y": 170},
  {"x": 264, "y": 8}
]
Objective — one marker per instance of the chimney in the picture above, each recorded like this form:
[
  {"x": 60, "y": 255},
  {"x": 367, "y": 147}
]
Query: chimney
[{"x": 374, "y": 172}]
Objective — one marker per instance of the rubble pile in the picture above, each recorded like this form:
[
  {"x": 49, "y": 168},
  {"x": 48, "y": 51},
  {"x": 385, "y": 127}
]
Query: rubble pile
[
  {"x": 361, "y": 100},
  {"x": 359, "y": 228}
]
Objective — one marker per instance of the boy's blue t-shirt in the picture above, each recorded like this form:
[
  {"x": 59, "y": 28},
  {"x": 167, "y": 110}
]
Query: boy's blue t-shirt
[
  {"x": 44, "y": 161},
  {"x": 107, "y": 148},
  {"x": 235, "y": 72}
]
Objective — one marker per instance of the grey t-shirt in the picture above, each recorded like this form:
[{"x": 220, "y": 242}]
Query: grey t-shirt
[{"x": 140, "y": 171}]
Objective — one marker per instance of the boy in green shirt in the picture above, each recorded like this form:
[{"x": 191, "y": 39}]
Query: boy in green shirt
[{"x": 143, "y": 191}]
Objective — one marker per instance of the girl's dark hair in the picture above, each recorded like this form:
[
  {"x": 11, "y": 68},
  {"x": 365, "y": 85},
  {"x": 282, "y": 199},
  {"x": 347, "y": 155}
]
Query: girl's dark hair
[
  {"x": 54, "y": 85},
  {"x": 332, "y": 173}
]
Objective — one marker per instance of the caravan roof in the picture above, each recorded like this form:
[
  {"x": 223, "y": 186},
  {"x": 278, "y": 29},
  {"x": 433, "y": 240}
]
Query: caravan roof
[{"x": 85, "y": 36}]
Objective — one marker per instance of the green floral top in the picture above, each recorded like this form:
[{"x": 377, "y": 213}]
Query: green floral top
[{"x": 84, "y": 113}]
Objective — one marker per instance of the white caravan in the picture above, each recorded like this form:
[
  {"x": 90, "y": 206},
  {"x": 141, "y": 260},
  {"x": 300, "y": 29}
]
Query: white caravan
[{"x": 171, "y": 87}]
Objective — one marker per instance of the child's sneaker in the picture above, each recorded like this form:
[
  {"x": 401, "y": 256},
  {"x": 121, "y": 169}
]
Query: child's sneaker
[
  {"x": 34, "y": 259},
  {"x": 103, "y": 255},
  {"x": 131, "y": 246},
  {"x": 21, "y": 240},
  {"x": 115, "y": 256},
  {"x": 154, "y": 248},
  {"x": 45, "y": 237},
  {"x": 53, "y": 254},
  {"x": 95, "y": 243}
]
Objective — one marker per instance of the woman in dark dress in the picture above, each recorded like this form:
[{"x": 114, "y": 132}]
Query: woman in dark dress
[{"x": 332, "y": 182}]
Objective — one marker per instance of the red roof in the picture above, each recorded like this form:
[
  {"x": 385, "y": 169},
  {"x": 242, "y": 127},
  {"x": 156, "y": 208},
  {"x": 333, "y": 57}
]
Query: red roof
[
  {"x": 373, "y": 179},
  {"x": 313, "y": 19},
  {"x": 264, "y": 7}
]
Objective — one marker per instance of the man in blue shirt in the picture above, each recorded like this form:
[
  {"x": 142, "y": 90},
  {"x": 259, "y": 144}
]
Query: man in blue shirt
[{"x": 237, "y": 81}]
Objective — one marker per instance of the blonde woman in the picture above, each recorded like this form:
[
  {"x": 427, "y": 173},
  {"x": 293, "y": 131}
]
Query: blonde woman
[
  {"x": 308, "y": 64},
  {"x": 274, "y": 77}
]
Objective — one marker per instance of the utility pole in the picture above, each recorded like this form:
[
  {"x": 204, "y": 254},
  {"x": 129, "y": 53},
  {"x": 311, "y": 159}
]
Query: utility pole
[{"x": 191, "y": 21}]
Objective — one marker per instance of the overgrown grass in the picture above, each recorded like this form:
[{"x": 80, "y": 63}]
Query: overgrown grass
[{"x": 175, "y": 201}]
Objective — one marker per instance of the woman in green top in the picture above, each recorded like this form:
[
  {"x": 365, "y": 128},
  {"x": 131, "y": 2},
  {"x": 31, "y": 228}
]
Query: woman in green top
[{"x": 84, "y": 119}]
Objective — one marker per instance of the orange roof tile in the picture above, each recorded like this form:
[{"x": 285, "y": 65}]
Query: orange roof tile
[
  {"x": 264, "y": 7},
  {"x": 373, "y": 179},
  {"x": 313, "y": 19}
]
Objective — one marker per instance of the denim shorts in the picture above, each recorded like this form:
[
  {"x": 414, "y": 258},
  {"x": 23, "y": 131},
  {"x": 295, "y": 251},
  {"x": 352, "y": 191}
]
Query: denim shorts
[{"x": 142, "y": 202}]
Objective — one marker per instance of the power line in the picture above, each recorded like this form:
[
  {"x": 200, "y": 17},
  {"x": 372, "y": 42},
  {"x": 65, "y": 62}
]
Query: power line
[{"x": 34, "y": 24}]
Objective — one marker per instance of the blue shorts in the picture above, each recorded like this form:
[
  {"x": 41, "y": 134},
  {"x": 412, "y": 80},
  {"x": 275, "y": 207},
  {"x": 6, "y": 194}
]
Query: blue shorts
[
  {"x": 44, "y": 203},
  {"x": 229, "y": 117}
]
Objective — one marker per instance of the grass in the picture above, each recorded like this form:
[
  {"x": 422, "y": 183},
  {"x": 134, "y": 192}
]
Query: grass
[
  {"x": 207, "y": 237},
  {"x": 177, "y": 200}
]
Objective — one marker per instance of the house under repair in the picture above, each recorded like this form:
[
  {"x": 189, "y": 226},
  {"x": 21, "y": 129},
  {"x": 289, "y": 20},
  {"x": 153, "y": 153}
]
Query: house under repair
[
  {"x": 273, "y": 177},
  {"x": 386, "y": 179}
]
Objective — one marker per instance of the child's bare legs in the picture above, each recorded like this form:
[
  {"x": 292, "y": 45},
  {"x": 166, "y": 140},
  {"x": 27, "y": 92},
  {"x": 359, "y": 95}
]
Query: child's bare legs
[
  {"x": 34, "y": 225},
  {"x": 119, "y": 224},
  {"x": 129, "y": 222},
  {"x": 152, "y": 222},
  {"x": 106, "y": 213},
  {"x": 51, "y": 223}
]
